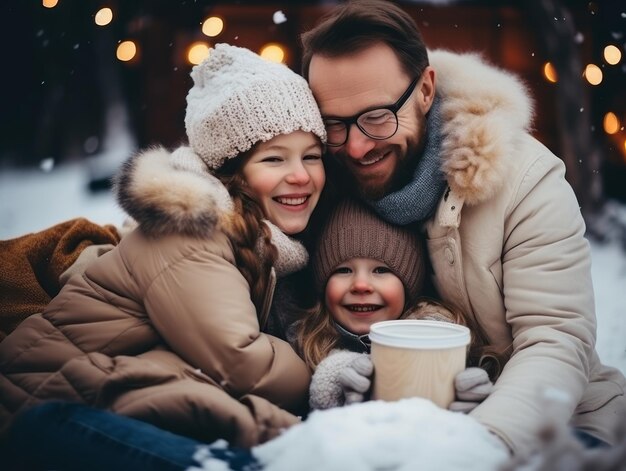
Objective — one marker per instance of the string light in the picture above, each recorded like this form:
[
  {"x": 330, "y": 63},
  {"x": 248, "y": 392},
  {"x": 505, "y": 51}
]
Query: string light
[
  {"x": 550, "y": 73},
  {"x": 273, "y": 52},
  {"x": 49, "y": 3},
  {"x": 126, "y": 51},
  {"x": 611, "y": 123},
  {"x": 612, "y": 54},
  {"x": 104, "y": 16},
  {"x": 197, "y": 52},
  {"x": 213, "y": 26},
  {"x": 593, "y": 74}
]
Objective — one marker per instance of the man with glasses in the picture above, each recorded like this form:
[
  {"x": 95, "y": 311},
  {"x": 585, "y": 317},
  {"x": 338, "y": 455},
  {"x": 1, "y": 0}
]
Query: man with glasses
[{"x": 442, "y": 140}]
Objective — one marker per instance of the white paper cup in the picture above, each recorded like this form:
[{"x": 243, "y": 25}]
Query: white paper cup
[{"x": 417, "y": 358}]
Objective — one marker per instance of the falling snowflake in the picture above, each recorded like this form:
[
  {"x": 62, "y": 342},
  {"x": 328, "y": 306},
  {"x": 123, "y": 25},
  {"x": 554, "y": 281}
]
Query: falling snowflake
[
  {"x": 47, "y": 164},
  {"x": 579, "y": 38},
  {"x": 279, "y": 17}
]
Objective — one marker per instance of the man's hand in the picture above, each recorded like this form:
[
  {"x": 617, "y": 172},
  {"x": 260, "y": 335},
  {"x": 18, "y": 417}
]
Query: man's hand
[{"x": 471, "y": 386}]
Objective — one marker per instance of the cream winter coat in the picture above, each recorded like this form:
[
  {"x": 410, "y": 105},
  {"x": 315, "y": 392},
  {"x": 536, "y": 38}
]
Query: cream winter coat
[
  {"x": 162, "y": 327},
  {"x": 508, "y": 248}
]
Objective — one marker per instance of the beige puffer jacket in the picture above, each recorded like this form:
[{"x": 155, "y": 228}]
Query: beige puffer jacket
[
  {"x": 162, "y": 327},
  {"x": 507, "y": 246}
]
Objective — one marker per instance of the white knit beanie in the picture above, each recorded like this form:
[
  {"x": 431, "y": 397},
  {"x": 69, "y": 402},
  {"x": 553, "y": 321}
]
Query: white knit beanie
[{"x": 239, "y": 99}]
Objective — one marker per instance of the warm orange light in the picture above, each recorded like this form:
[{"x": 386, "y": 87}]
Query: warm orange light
[
  {"x": 197, "y": 52},
  {"x": 549, "y": 72},
  {"x": 104, "y": 16},
  {"x": 49, "y": 3},
  {"x": 213, "y": 26},
  {"x": 126, "y": 50},
  {"x": 612, "y": 54},
  {"x": 273, "y": 52},
  {"x": 611, "y": 123},
  {"x": 593, "y": 74}
]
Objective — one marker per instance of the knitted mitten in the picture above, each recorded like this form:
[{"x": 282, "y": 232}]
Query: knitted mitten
[
  {"x": 330, "y": 383},
  {"x": 471, "y": 386}
]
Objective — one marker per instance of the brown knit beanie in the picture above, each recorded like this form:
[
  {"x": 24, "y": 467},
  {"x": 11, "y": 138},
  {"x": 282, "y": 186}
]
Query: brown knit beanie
[{"x": 353, "y": 231}]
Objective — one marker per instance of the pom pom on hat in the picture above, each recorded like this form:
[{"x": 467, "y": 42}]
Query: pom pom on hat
[
  {"x": 355, "y": 231},
  {"x": 239, "y": 98}
]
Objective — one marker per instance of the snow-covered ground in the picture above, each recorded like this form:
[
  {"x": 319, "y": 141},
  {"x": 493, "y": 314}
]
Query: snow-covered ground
[{"x": 31, "y": 200}]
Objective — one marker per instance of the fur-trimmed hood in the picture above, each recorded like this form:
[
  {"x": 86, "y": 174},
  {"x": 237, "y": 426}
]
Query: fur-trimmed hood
[
  {"x": 174, "y": 193},
  {"x": 164, "y": 198},
  {"x": 485, "y": 110}
]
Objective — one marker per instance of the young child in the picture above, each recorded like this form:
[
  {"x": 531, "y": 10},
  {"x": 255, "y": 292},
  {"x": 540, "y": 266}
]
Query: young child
[
  {"x": 169, "y": 326},
  {"x": 367, "y": 270}
]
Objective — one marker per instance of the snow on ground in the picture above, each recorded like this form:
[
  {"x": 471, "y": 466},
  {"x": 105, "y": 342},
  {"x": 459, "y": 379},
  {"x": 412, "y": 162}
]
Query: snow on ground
[
  {"x": 405, "y": 435},
  {"x": 35, "y": 199}
]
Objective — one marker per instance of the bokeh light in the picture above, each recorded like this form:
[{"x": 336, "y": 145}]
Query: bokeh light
[
  {"x": 611, "y": 123},
  {"x": 126, "y": 50},
  {"x": 549, "y": 72},
  {"x": 593, "y": 74},
  {"x": 213, "y": 26},
  {"x": 273, "y": 52},
  {"x": 612, "y": 54},
  {"x": 49, "y": 3},
  {"x": 197, "y": 52},
  {"x": 104, "y": 16}
]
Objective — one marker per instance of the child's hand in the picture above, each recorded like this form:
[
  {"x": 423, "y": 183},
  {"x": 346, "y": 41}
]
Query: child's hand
[
  {"x": 355, "y": 379},
  {"x": 343, "y": 377},
  {"x": 472, "y": 386}
]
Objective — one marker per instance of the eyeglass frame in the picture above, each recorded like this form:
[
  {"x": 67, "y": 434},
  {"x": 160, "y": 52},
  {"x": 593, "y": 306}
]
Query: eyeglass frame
[{"x": 394, "y": 108}]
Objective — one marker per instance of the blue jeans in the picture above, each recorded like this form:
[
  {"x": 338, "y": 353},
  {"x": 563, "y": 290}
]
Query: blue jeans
[{"x": 66, "y": 436}]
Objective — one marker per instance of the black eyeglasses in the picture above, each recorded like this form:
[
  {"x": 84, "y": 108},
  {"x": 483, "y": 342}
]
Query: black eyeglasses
[{"x": 378, "y": 123}]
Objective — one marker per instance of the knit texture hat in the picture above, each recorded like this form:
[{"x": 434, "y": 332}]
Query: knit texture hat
[
  {"x": 353, "y": 230},
  {"x": 239, "y": 99}
]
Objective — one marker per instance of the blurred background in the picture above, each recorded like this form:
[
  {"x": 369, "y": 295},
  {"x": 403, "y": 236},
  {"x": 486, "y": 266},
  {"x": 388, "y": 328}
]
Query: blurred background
[
  {"x": 87, "y": 82},
  {"x": 92, "y": 80}
]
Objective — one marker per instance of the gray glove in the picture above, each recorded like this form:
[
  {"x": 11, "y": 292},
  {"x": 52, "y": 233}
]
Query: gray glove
[
  {"x": 472, "y": 386},
  {"x": 341, "y": 378},
  {"x": 355, "y": 379}
]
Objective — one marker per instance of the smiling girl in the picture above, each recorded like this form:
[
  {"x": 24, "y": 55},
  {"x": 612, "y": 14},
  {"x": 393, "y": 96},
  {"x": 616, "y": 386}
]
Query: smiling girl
[
  {"x": 367, "y": 270},
  {"x": 168, "y": 327}
]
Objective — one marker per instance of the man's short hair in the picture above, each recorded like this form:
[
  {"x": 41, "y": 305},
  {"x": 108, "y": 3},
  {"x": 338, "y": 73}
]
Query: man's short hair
[{"x": 359, "y": 24}]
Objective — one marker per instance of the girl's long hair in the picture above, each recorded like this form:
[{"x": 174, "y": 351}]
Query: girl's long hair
[
  {"x": 316, "y": 335},
  {"x": 245, "y": 228}
]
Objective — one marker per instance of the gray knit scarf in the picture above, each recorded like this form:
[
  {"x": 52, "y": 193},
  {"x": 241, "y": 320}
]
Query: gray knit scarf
[{"x": 418, "y": 199}]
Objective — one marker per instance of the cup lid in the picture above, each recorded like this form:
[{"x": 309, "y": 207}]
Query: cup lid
[{"x": 419, "y": 334}]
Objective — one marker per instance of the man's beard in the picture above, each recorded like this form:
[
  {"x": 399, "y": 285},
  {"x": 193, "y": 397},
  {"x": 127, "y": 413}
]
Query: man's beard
[{"x": 402, "y": 174}]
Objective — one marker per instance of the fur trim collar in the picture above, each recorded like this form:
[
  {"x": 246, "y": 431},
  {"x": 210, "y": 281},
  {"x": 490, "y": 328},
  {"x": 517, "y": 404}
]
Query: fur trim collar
[
  {"x": 168, "y": 193},
  {"x": 164, "y": 199},
  {"x": 485, "y": 111}
]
